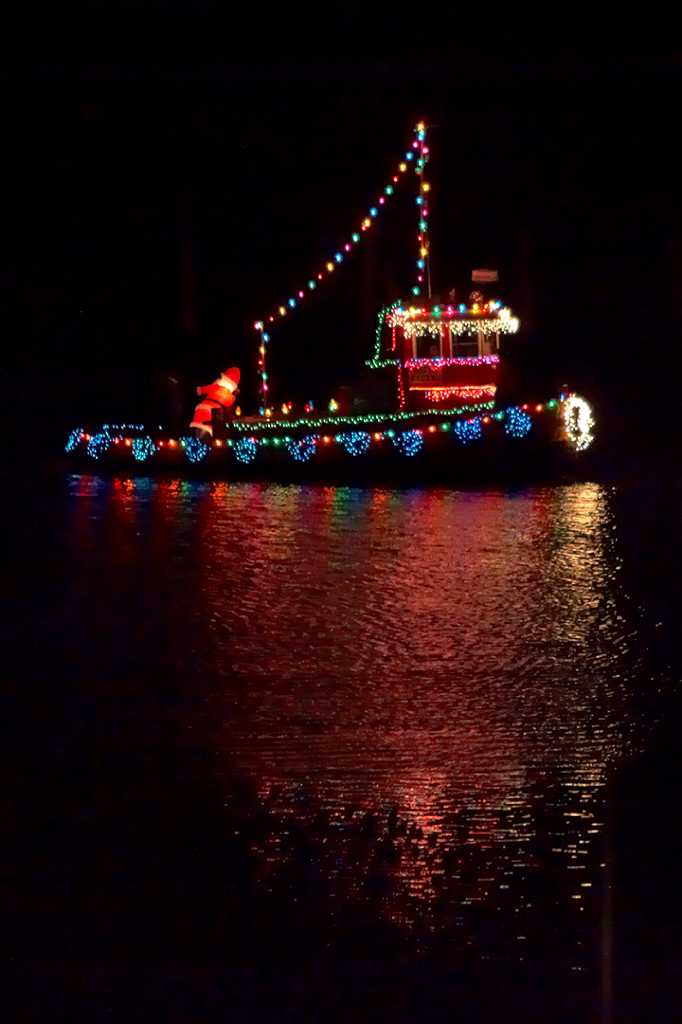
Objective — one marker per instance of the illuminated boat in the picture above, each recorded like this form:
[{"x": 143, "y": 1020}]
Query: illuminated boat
[{"x": 430, "y": 409}]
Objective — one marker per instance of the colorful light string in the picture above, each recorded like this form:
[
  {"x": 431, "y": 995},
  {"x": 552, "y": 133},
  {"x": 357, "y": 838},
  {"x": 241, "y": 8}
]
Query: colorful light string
[
  {"x": 423, "y": 266},
  {"x": 575, "y": 413},
  {"x": 262, "y": 327}
]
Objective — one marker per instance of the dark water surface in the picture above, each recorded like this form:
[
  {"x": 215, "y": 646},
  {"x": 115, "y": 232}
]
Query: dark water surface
[{"x": 292, "y": 731}]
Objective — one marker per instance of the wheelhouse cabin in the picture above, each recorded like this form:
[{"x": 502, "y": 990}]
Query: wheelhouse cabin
[{"x": 446, "y": 353}]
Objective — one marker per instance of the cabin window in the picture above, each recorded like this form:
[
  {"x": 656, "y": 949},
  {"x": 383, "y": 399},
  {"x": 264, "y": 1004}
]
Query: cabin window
[
  {"x": 464, "y": 345},
  {"x": 427, "y": 346},
  {"x": 489, "y": 344}
]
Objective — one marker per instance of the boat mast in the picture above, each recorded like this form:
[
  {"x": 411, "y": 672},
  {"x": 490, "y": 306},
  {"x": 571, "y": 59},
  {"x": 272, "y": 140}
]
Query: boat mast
[
  {"x": 417, "y": 157},
  {"x": 423, "y": 263}
]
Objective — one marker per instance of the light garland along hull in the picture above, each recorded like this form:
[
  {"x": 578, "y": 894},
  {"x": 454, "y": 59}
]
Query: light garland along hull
[{"x": 527, "y": 440}]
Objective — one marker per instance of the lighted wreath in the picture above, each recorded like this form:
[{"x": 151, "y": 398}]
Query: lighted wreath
[
  {"x": 579, "y": 422},
  {"x": 195, "y": 450},
  {"x": 409, "y": 442},
  {"x": 302, "y": 450},
  {"x": 74, "y": 439},
  {"x": 143, "y": 448},
  {"x": 245, "y": 450},
  {"x": 517, "y": 423},
  {"x": 467, "y": 431},
  {"x": 99, "y": 443},
  {"x": 356, "y": 442}
]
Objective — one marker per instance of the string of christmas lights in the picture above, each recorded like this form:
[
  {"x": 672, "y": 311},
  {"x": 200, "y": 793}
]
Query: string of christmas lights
[
  {"x": 438, "y": 362},
  {"x": 472, "y": 392},
  {"x": 423, "y": 268},
  {"x": 345, "y": 249},
  {"x": 576, "y": 416}
]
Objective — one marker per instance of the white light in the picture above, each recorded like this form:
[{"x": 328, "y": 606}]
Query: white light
[{"x": 579, "y": 422}]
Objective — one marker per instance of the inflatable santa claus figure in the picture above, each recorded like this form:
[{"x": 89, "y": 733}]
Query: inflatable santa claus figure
[{"x": 218, "y": 395}]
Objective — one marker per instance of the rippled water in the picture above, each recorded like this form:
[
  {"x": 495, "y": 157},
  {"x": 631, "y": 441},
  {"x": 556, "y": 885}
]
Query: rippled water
[
  {"x": 459, "y": 665},
  {"x": 423, "y": 693}
]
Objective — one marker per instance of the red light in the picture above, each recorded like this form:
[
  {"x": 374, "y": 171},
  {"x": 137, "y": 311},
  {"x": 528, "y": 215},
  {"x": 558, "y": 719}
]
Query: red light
[
  {"x": 432, "y": 429},
  {"x": 538, "y": 408},
  {"x": 326, "y": 439},
  {"x": 161, "y": 444},
  {"x": 217, "y": 443},
  {"x": 377, "y": 437},
  {"x": 525, "y": 407},
  {"x": 172, "y": 444},
  {"x": 486, "y": 419},
  {"x": 128, "y": 442}
]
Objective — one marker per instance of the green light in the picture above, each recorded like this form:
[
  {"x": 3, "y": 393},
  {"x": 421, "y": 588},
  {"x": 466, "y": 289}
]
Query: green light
[
  {"x": 445, "y": 426},
  {"x": 362, "y": 419},
  {"x": 389, "y": 190}
]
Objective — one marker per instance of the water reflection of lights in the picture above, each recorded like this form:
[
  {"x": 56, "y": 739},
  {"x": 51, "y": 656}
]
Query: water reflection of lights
[{"x": 432, "y": 686}]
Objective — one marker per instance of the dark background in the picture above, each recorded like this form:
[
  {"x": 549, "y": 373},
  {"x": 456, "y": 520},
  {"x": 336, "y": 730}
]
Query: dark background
[
  {"x": 165, "y": 180},
  {"x": 156, "y": 204}
]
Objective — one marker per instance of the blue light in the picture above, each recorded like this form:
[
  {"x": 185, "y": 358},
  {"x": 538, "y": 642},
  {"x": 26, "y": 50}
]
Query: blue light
[
  {"x": 462, "y": 308},
  {"x": 99, "y": 443},
  {"x": 356, "y": 442},
  {"x": 143, "y": 448},
  {"x": 409, "y": 155},
  {"x": 338, "y": 257},
  {"x": 409, "y": 442},
  {"x": 517, "y": 423},
  {"x": 266, "y": 338},
  {"x": 468, "y": 430},
  {"x": 373, "y": 212},
  {"x": 420, "y": 264},
  {"x": 292, "y": 302},
  {"x": 245, "y": 450},
  {"x": 420, "y": 200},
  {"x": 304, "y": 449},
  {"x": 74, "y": 439},
  {"x": 421, "y": 135},
  {"x": 195, "y": 450}
]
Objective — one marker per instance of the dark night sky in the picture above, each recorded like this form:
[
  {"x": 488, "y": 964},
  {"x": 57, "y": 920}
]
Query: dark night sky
[{"x": 560, "y": 170}]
